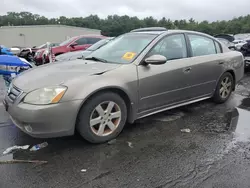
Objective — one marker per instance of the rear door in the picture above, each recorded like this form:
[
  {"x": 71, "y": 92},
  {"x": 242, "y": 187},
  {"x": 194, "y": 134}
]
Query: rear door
[{"x": 206, "y": 65}]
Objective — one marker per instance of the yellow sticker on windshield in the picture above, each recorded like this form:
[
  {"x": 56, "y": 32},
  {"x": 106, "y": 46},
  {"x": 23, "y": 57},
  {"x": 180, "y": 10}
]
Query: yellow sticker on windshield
[{"x": 129, "y": 55}]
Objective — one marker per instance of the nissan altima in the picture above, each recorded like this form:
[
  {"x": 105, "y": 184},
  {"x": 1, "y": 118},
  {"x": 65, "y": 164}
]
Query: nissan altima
[{"x": 137, "y": 74}]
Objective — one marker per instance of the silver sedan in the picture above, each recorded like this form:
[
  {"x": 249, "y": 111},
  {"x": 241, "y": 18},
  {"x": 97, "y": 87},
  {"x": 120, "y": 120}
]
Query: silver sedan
[{"x": 137, "y": 74}]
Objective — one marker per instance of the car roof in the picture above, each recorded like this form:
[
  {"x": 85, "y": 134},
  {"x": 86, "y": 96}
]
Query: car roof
[
  {"x": 91, "y": 36},
  {"x": 151, "y": 32},
  {"x": 187, "y": 31},
  {"x": 160, "y": 30}
]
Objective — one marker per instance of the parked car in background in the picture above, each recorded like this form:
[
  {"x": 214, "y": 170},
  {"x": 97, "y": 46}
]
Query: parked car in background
[
  {"x": 137, "y": 74},
  {"x": 5, "y": 51},
  {"x": 27, "y": 52},
  {"x": 83, "y": 53},
  {"x": 238, "y": 44},
  {"x": 240, "y": 40},
  {"x": 15, "y": 50},
  {"x": 228, "y": 37},
  {"x": 245, "y": 50},
  {"x": 228, "y": 43},
  {"x": 11, "y": 66},
  {"x": 73, "y": 44},
  {"x": 34, "y": 49},
  {"x": 242, "y": 36}
]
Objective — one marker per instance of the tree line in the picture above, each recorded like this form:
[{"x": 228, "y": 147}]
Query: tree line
[{"x": 116, "y": 25}]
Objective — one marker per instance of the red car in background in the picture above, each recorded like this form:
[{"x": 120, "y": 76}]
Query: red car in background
[{"x": 73, "y": 44}]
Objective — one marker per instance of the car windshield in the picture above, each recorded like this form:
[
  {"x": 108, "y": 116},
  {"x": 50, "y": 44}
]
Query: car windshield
[
  {"x": 124, "y": 49},
  {"x": 98, "y": 44},
  {"x": 67, "y": 41}
]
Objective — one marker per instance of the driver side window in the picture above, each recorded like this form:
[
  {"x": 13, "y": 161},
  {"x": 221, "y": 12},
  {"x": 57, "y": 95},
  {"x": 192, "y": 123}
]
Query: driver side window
[{"x": 172, "y": 47}]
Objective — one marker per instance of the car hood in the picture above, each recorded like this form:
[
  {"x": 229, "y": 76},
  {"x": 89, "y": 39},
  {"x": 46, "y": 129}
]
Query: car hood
[{"x": 60, "y": 73}]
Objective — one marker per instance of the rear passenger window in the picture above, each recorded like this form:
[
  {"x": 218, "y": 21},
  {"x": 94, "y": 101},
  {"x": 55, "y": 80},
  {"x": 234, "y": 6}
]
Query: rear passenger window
[
  {"x": 172, "y": 47},
  {"x": 218, "y": 48},
  {"x": 201, "y": 45}
]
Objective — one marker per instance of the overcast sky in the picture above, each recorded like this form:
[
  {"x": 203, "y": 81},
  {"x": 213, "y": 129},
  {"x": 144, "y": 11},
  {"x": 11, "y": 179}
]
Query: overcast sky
[{"x": 211, "y": 10}]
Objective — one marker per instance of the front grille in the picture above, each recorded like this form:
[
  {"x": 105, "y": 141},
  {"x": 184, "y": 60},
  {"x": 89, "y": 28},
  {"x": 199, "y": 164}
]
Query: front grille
[{"x": 13, "y": 93}]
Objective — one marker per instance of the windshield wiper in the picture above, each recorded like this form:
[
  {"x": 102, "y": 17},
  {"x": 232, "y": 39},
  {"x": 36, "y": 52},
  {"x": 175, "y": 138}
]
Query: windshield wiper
[{"x": 96, "y": 59}]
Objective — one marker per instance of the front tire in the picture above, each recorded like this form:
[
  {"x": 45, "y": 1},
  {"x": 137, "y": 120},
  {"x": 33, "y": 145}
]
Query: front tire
[
  {"x": 102, "y": 117},
  {"x": 224, "y": 88}
]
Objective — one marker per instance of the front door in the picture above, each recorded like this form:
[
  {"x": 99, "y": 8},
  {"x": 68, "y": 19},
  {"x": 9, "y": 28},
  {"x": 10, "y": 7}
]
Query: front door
[
  {"x": 81, "y": 44},
  {"x": 84, "y": 43},
  {"x": 163, "y": 85}
]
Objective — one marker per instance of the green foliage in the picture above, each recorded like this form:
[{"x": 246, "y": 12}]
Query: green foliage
[{"x": 116, "y": 25}]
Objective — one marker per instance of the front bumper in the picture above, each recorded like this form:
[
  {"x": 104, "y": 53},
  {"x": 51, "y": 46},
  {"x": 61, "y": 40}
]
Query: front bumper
[
  {"x": 38, "y": 60},
  {"x": 41, "y": 61},
  {"x": 43, "y": 121}
]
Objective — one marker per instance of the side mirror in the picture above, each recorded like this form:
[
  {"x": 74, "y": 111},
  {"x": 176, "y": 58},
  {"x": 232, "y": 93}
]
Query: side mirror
[
  {"x": 156, "y": 60},
  {"x": 73, "y": 44}
]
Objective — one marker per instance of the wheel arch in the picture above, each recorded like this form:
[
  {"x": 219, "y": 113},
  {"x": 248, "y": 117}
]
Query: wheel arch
[
  {"x": 233, "y": 74},
  {"x": 117, "y": 90}
]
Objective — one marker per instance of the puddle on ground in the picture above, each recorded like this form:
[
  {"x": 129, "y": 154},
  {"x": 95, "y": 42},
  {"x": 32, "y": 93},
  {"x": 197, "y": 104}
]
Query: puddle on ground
[
  {"x": 245, "y": 104},
  {"x": 235, "y": 100},
  {"x": 239, "y": 120},
  {"x": 239, "y": 124},
  {"x": 242, "y": 129}
]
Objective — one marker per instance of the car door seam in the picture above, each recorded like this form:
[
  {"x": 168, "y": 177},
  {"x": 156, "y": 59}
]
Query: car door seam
[{"x": 150, "y": 96}]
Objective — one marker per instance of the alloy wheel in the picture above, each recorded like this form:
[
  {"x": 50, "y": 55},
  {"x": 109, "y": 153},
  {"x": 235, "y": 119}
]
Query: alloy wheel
[
  {"x": 105, "y": 118},
  {"x": 225, "y": 87}
]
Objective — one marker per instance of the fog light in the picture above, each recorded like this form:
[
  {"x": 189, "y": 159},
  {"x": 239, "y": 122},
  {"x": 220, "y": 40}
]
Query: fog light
[{"x": 28, "y": 128}]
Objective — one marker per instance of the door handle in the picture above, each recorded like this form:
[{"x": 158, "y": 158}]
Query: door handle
[
  {"x": 221, "y": 62},
  {"x": 186, "y": 70}
]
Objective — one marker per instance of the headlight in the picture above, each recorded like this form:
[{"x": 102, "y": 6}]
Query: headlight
[{"x": 47, "y": 95}]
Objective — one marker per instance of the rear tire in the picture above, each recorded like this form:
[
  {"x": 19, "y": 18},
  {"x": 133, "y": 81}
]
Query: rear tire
[
  {"x": 224, "y": 88},
  {"x": 102, "y": 117}
]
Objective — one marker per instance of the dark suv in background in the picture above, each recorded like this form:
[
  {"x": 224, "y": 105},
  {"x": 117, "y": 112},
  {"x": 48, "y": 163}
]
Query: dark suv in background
[{"x": 70, "y": 45}]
